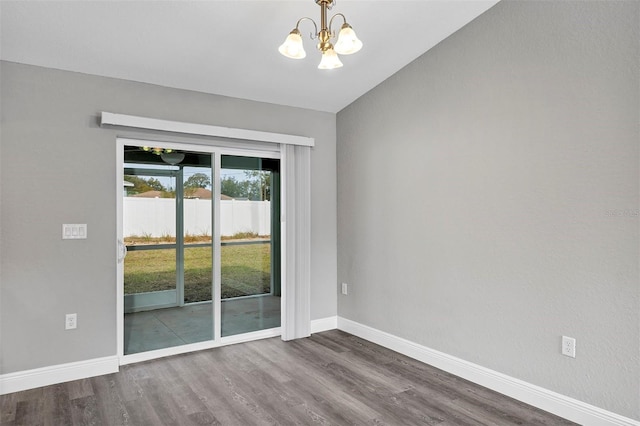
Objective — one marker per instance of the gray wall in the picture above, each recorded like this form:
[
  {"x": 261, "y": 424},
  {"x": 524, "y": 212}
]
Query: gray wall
[
  {"x": 488, "y": 198},
  {"x": 59, "y": 167}
]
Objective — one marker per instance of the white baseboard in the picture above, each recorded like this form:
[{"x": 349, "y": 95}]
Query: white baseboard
[
  {"x": 324, "y": 324},
  {"x": 560, "y": 405},
  {"x": 29, "y": 379}
]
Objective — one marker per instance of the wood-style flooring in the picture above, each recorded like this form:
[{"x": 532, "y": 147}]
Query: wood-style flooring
[{"x": 331, "y": 378}]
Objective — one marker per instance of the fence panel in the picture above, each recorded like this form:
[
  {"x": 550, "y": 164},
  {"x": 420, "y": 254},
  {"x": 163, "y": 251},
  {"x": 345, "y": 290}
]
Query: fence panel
[{"x": 156, "y": 217}]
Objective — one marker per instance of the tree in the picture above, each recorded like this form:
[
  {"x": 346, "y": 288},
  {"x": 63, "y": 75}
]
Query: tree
[
  {"x": 231, "y": 187},
  {"x": 155, "y": 184},
  {"x": 141, "y": 185},
  {"x": 260, "y": 184},
  {"x": 197, "y": 180},
  {"x": 255, "y": 186}
]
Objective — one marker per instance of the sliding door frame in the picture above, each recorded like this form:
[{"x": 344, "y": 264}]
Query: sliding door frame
[
  {"x": 295, "y": 152},
  {"x": 216, "y": 153}
]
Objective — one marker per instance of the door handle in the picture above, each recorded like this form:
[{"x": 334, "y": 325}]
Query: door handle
[{"x": 122, "y": 251}]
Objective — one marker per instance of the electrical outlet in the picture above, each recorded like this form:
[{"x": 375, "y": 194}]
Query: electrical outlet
[
  {"x": 569, "y": 346},
  {"x": 345, "y": 288},
  {"x": 70, "y": 321}
]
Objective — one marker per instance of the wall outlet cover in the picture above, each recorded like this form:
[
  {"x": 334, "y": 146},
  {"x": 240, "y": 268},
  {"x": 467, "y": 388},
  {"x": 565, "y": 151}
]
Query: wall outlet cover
[
  {"x": 569, "y": 346},
  {"x": 345, "y": 288},
  {"x": 70, "y": 321}
]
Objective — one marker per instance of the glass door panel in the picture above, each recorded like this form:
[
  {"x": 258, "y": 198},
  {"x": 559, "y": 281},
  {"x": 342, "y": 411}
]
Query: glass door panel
[
  {"x": 250, "y": 244},
  {"x": 167, "y": 271},
  {"x": 171, "y": 220}
]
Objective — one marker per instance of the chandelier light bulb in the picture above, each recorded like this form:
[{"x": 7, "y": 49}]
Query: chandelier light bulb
[
  {"x": 292, "y": 46},
  {"x": 329, "y": 60},
  {"x": 348, "y": 42}
]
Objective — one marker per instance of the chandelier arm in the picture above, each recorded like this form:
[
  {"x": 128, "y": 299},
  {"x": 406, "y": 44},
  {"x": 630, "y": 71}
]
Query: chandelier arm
[
  {"x": 331, "y": 22},
  {"x": 312, "y": 35}
]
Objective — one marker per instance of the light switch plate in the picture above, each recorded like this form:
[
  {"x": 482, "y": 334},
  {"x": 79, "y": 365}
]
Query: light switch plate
[{"x": 74, "y": 231}]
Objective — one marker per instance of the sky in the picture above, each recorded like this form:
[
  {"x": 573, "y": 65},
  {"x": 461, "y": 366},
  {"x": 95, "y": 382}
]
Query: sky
[{"x": 169, "y": 182}]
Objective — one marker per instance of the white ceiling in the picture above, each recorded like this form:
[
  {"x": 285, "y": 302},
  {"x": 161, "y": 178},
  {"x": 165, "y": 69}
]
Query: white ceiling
[{"x": 228, "y": 47}]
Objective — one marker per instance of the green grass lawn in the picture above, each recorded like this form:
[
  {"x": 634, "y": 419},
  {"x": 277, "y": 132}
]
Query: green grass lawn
[{"x": 245, "y": 270}]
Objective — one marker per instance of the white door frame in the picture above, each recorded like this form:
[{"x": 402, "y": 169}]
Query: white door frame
[{"x": 218, "y": 340}]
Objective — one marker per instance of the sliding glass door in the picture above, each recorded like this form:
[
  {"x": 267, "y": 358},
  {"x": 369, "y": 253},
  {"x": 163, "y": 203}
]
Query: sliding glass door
[
  {"x": 183, "y": 212},
  {"x": 250, "y": 247}
]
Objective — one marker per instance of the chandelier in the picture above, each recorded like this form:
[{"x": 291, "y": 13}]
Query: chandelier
[
  {"x": 347, "y": 43},
  {"x": 169, "y": 156}
]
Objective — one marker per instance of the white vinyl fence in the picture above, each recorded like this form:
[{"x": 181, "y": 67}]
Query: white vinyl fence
[{"x": 156, "y": 217}]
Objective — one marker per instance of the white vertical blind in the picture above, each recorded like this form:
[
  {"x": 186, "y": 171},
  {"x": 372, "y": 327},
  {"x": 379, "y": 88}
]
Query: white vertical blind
[{"x": 296, "y": 223}]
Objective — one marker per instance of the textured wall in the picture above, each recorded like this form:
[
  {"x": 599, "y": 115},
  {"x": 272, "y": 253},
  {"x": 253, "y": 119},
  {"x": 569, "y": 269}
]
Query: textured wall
[
  {"x": 59, "y": 167},
  {"x": 488, "y": 198}
]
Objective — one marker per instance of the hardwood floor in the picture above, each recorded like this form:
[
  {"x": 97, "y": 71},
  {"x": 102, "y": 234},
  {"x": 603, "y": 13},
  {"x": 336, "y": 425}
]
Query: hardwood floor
[{"x": 331, "y": 378}]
